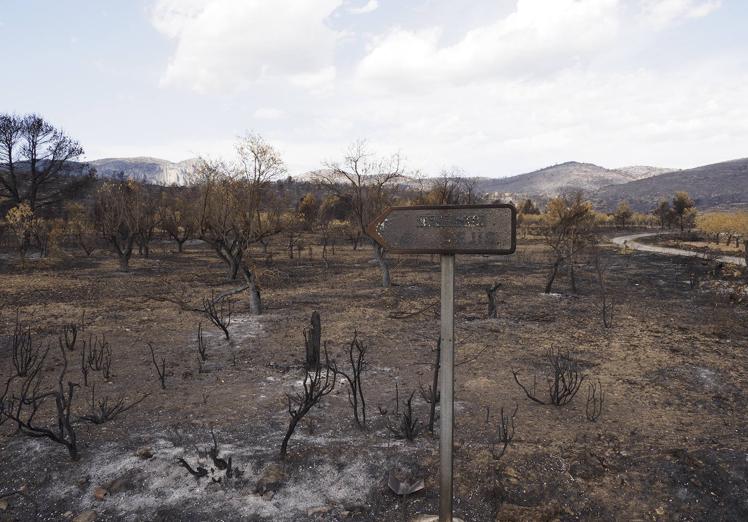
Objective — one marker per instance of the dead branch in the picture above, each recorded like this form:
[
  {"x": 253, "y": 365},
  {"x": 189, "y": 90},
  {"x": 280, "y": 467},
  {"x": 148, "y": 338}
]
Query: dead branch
[
  {"x": 401, "y": 315},
  {"x": 505, "y": 433},
  {"x": 316, "y": 386},
  {"x": 409, "y": 426},
  {"x": 102, "y": 410},
  {"x": 23, "y": 408},
  {"x": 219, "y": 315},
  {"x": 357, "y": 357},
  {"x": 161, "y": 370},
  {"x": 595, "y": 398}
]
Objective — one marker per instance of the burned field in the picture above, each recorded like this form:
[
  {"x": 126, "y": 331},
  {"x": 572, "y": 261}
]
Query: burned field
[{"x": 668, "y": 441}]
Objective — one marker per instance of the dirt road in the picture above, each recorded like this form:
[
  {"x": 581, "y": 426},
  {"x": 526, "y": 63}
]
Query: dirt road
[{"x": 629, "y": 241}]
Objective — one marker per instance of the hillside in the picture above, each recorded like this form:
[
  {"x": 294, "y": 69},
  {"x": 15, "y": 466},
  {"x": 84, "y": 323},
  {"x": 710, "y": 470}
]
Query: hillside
[
  {"x": 717, "y": 185},
  {"x": 643, "y": 171},
  {"x": 151, "y": 170},
  {"x": 557, "y": 179}
]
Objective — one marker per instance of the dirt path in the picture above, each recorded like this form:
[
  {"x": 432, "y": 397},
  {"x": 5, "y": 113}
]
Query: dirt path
[{"x": 629, "y": 241}]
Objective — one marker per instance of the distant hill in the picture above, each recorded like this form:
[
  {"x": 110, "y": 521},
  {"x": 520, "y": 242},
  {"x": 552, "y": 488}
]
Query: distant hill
[
  {"x": 642, "y": 171},
  {"x": 150, "y": 170},
  {"x": 557, "y": 179},
  {"x": 717, "y": 185}
]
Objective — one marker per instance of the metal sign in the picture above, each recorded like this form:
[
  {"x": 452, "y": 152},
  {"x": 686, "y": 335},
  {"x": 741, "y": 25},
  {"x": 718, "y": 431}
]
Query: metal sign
[{"x": 447, "y": 229}]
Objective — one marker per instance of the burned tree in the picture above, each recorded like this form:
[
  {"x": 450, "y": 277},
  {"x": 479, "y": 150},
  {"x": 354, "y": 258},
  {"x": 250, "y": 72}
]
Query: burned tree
[
  {"x": 25, "y": 356},
  {"x": 99, "y": 355},
  {"x": 368, "y": 183},
  {"x": 23, "y": 407},
  {"x": 316, "y": 385},
  {"x": 202, "y": 344},
  {"x": 407, "y": 426},
  {"x": 595, "y": 399},
  {"x": 357, "y": 358},
  {"x": 236, "y": 210},
  {"x": 432, "y": 396},
  {"x": 178, "y": 219},
  {"x": 106, "y": 409},
  {"x": 568, "y": 228},
  {"x": 491, "y": 295},
  {"x": 118, "y": 212},
  {"x": 505, "y": 433},
  {"x": 160, "y": 368},
  {"x": 219, "y": 312},
  {"x": 563, "y": 377},
  {"x": 313, "y": 341},
  {"x": 36, "y": 161},
  {"x": 607, "y": 301}
]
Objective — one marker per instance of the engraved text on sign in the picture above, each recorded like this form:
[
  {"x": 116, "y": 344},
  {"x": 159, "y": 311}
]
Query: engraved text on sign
[{"x": 464, "y": 229}]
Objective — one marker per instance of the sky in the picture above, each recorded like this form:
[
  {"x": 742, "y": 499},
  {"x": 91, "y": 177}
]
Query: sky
[{"x": 495, "y": 88}]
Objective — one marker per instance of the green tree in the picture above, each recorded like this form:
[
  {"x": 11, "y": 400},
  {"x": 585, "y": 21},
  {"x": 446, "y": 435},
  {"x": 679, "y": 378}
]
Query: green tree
[
  {"x": 623, "y": 214},
  {"x": 683, "y": 209}
]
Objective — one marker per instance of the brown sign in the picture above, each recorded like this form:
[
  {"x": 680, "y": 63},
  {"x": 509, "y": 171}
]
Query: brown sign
[{"x": 447, "y": 229}]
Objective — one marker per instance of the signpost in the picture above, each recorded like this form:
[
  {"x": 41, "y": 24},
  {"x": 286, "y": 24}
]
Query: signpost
[{"x": 447, "y": 230}]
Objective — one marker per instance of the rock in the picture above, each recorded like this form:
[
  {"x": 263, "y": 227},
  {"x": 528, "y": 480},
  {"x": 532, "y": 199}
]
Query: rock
[
  {"x": 319, "y": 510},
  {"x": 100, "y": 493},
  {"x": 86, "y": 516},
  {"x": 68, "y": 514},
  {"x": 144, "y": 453},
  {"x": 268, "y": 496},
  {"x": 271, "y": 480},
  {"x": 3, "y": 504}
]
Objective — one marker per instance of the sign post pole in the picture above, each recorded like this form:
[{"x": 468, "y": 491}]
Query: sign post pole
[
  {"x": 447, "y": 230},
  {"x": 446, "y": 402}
]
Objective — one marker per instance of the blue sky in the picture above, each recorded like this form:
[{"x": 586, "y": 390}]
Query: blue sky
[{"x": 496, "y": 88}]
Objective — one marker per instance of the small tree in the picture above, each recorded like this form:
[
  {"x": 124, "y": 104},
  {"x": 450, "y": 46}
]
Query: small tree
[
  {"x": 316, "y": 385},
  {"x": 367, "y": 182},
  {"x": 623, "y": 214},
  {"x": 236, "y": 210},
  {"x": 568, "y": 228},
  {"x": 664, "y": 213},
  {"x": 357, "y": 358},
  {"x": 178, "y": 219},
  {"x": 24, "y": 404},
  {"x": 309, "y": 210},
  {"x": 683, "y": 209},
  {"x": 20, "y": 220},
  {"x": 118, "y": 216},
  {"x": 80, "y": 227}
]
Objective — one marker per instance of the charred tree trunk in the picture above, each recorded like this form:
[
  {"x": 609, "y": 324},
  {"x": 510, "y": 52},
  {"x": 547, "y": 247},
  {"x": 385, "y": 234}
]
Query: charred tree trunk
[
  {"x": 491, "y": 294},
  {"x": 572, "y": 277},
  {"x": 313, "y": 340},
  {"x": 379, "y": 255},
  {"x": 552, "y": 276},
  {"x": 255, "y": 299}
]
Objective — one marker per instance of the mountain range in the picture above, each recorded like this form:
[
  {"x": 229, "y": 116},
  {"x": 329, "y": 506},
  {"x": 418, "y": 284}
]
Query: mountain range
[
  {"x": 151, "y": 170},
  {"x": 719, "y": 185}
]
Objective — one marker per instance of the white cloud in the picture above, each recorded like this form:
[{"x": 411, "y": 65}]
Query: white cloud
[
  {"x": 368, "y": 7},
  {"x": 229, "y": 45},
  {"x": 539, "y": 35},
  {"x": 661, "y": 13}
]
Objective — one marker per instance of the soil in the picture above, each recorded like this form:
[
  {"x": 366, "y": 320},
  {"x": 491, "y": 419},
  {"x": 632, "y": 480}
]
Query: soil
[{"x": 671, "y": 443}]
